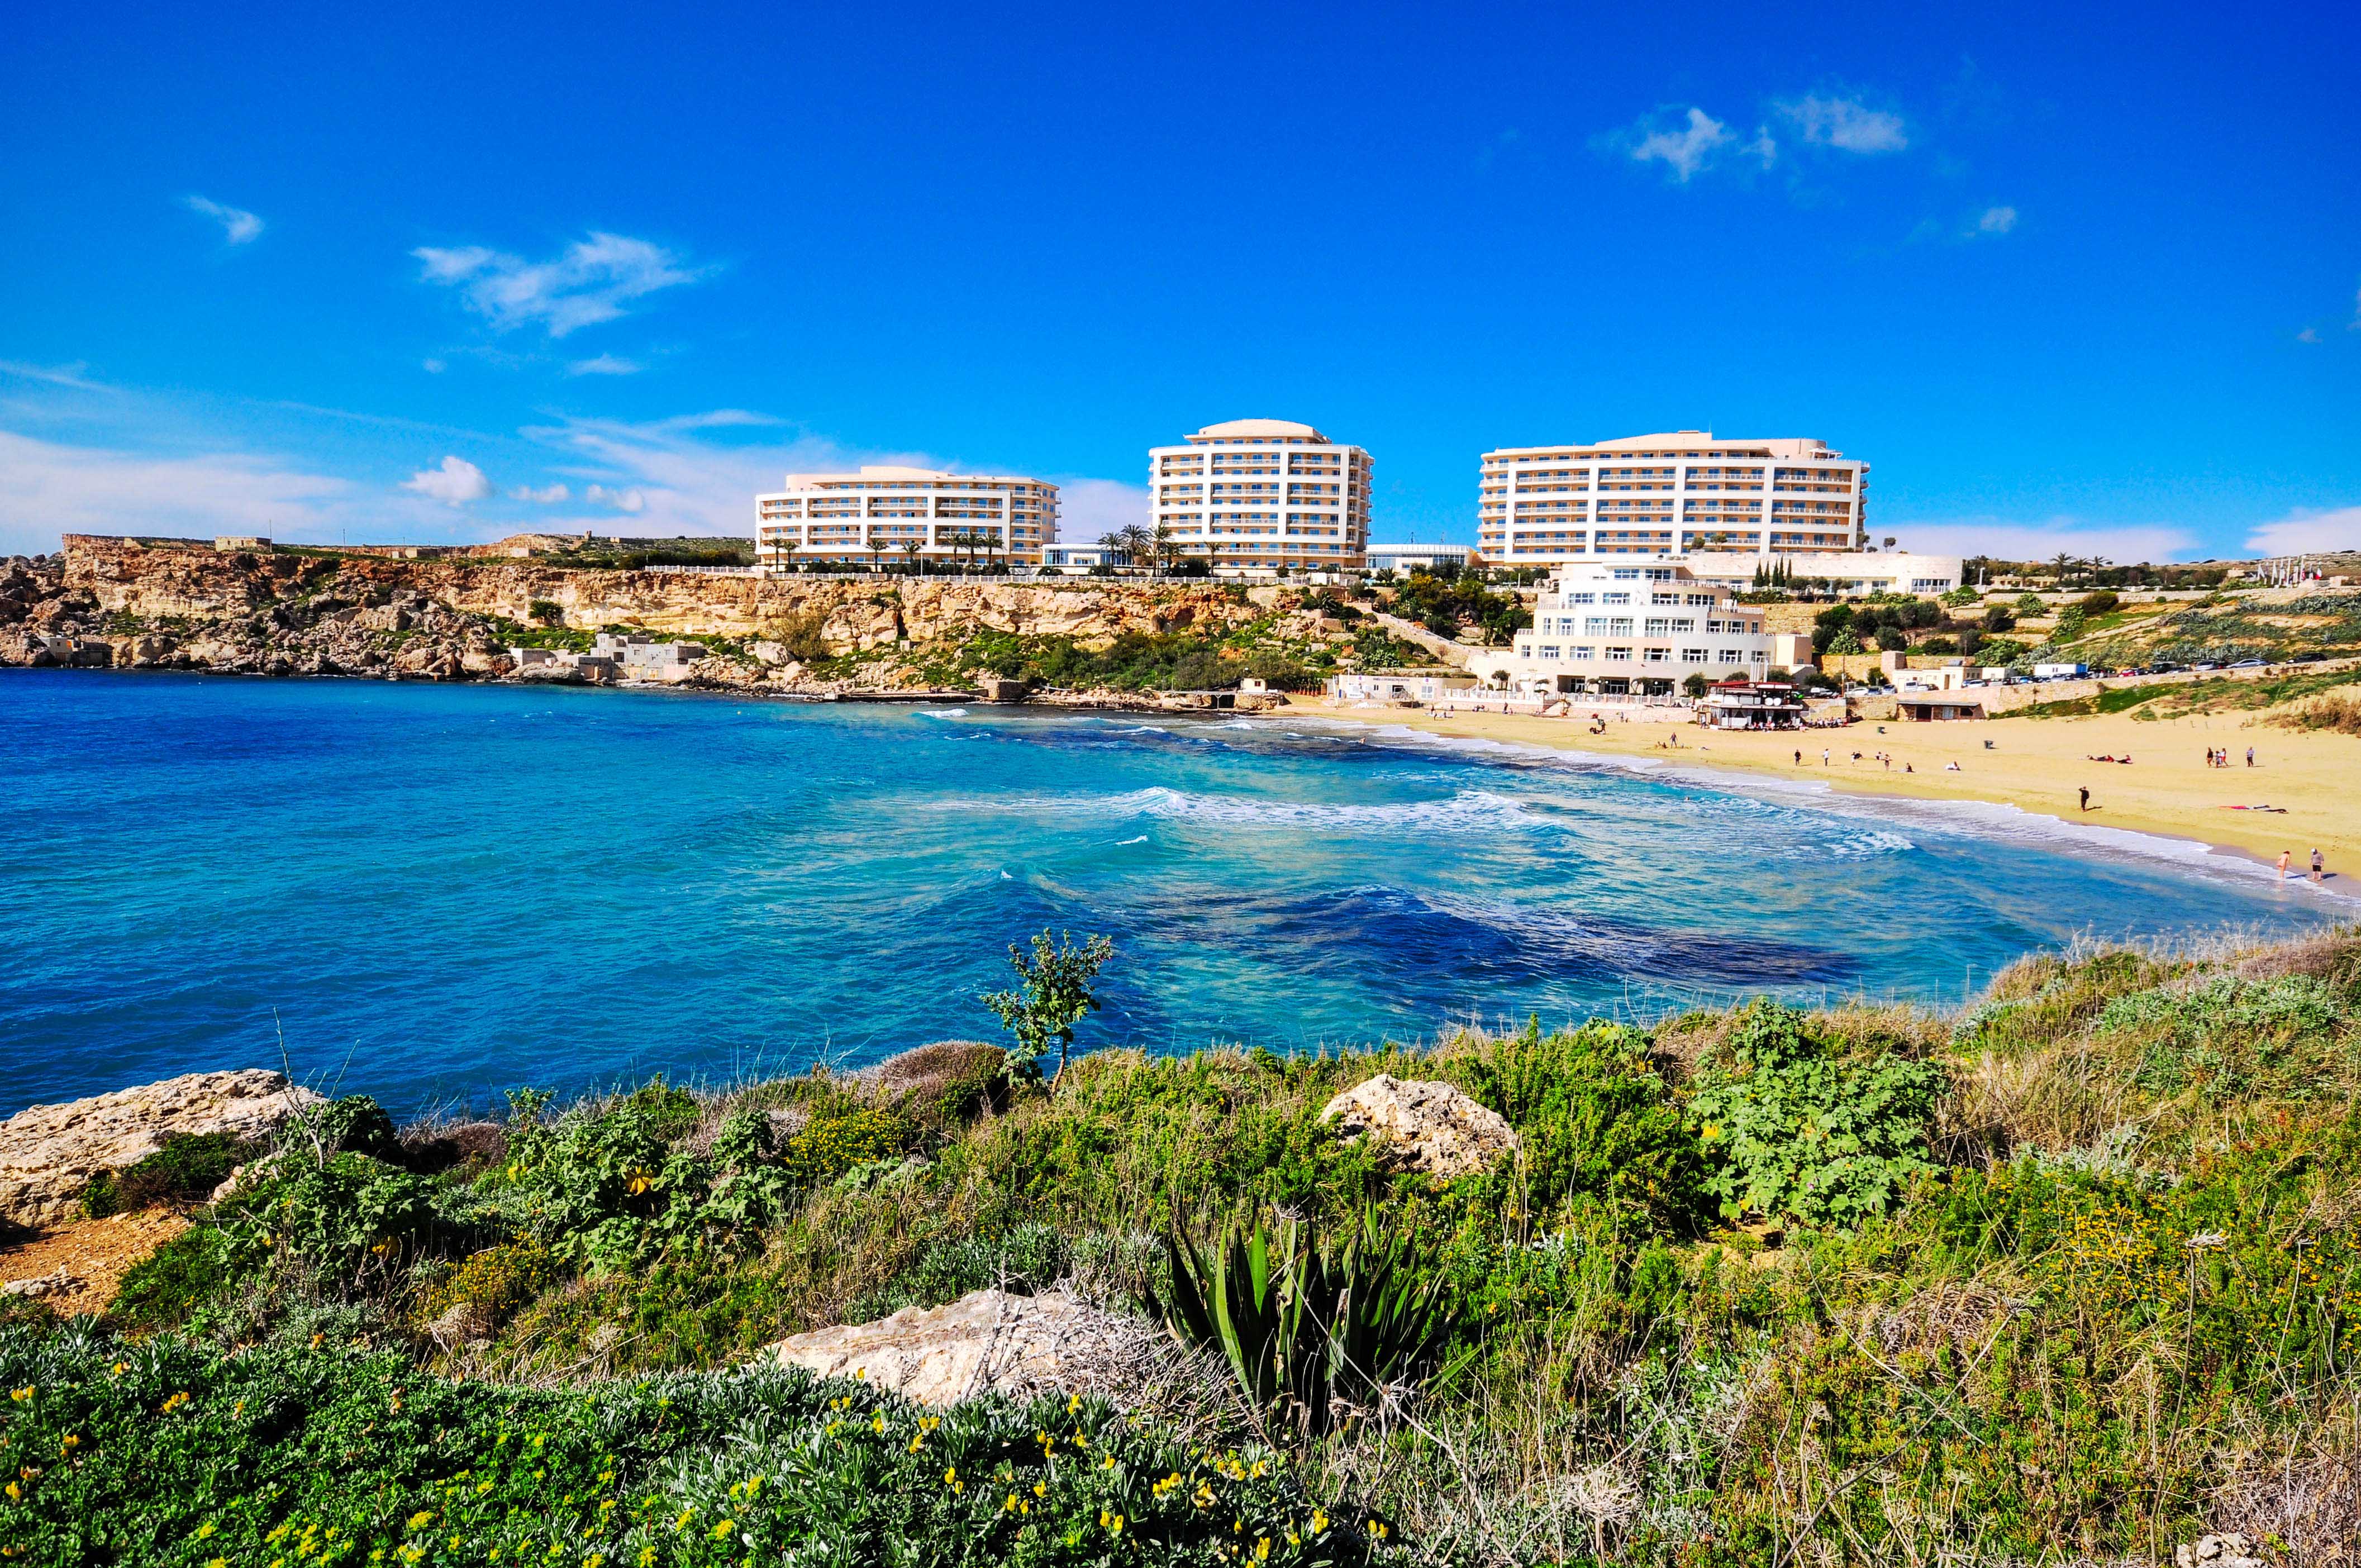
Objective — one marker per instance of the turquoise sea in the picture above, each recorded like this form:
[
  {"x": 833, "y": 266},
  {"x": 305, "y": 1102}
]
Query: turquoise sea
[{"x": 431, "y": 892}]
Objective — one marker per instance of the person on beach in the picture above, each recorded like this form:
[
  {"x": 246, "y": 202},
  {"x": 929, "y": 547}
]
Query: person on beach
[
  {"x": 1824, "y": 756},
  {"x": 2086, "y": 798},
  {"x": 2319, "y": 867},
  {"x": 2285, "y": 856},
  {"x": 1799, "y": 758}
]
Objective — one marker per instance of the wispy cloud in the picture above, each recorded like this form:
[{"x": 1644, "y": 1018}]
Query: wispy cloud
[
  {"x": 1686, "y": 148},
  {"x": 2305, "y": 530},
  {"x": 1844, "y": 123},
  {"x": 2040, "y": 541},
  {"x": 604, "y": 364},
  {"x": 53, "y": 375},
  {"x": 2355, "y": 324},
  {"x": 592, "y": 281},
  {"x": 1088, "y": 509},
  {"x": 548, "y": 495},
  {"x": 1996, "y": 220},
  {"x": 238, "y": 225},
  {"x": 47, "y": 489},
  {"x": 620, "y": 500},
  {"x": 2308, "y": 335},
  {"x": 454, "y": 484}
]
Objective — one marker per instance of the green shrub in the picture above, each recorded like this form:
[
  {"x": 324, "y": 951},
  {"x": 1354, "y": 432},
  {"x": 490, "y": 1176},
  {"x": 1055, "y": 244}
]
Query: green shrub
[
  {"x": 170, "y": 1455},
  {"x": 1791, "y": 1131},
  {"x": 1028, "y": 1259},
  {"x": 185, "y": 1170},
  {"x": 1309, "y": 1323},
  {"x": 172, "y": 1286},
  {"x": 499, "y": 1280},
  {"x": 827, "y": 1146},
  {"x": 1596, "y": 1122}
]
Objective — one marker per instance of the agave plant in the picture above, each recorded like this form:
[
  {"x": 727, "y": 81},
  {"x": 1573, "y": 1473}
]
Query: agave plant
[{"x": 1310, "y": 1326}]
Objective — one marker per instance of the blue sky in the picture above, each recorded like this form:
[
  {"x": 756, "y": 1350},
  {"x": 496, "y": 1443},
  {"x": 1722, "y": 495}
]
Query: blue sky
[{"x": 2068, "y": 278}]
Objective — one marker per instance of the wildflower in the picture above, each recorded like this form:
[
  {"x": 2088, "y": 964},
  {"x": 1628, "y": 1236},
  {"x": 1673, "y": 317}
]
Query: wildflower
[
  {"x": 723, "y": 1528},
  {"x": 69, "y": 1442},
  {"x": 16, "y": 1493},
  {"x": 206, "y": 1529},
  {"x": 1262, "y": 1549},
  {"x": 422, "y": 1518},
  {"x": 1319, "y": 1520},
  {"x": 682, "y": 1522},
  {"x": 1009, "y": 1506},
  {"x": 951, "y": 1479},
  {"x": 20, "y": 1394}
]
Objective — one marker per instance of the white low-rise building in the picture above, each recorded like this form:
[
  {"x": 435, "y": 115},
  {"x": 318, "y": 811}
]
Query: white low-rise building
[
  {"x": 1635, "y": 630},
  {"x": 1430, "y": 559}
]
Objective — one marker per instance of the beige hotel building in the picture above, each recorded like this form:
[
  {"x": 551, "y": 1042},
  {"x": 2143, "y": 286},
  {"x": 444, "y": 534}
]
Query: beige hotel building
[
  {"x": 1679, "y": 494},
  {"x": 873, "y": 517},
  {"x": 1255, "y": 497}
]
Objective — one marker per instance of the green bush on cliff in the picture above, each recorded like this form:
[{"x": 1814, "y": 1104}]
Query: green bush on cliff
[{"x": 164, "y": 1454}]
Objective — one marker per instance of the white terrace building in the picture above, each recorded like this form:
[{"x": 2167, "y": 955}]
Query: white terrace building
[
  {"x": 1255, "y": 497},
  {"x": 1626, "y": 630},
  {"x": 886, "y": 516}
]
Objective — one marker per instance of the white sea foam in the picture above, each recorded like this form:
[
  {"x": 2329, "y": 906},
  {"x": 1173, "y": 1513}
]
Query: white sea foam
[
  {"x": 941, "y": 712},
  {"x": 1121, "y": 842}
]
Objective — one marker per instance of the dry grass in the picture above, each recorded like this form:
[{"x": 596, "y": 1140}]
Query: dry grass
[{"x": 2336, "y": 711}]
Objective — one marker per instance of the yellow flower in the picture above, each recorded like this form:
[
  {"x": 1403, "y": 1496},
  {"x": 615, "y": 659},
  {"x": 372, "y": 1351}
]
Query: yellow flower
[
  {"x": 206, "y": 1529},
  {"x": 420, "y": 1519},
  {"x": 69, "y": 1442},
  {"x": 724, "y": 1528},
  {"x": 20, "y": 1394},
  {"x": 16, "y": 1493},
  {"x": 120, "y": 1367}
]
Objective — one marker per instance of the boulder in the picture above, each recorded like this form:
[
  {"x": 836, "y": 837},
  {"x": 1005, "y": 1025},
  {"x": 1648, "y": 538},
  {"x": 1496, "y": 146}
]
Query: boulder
[
  {"x": 2230, "y": 1550},
  {"x": 48, "y": 1153},
  {"x": 1418, "y": 1124},
  {"x": 988, "y": 1341}
]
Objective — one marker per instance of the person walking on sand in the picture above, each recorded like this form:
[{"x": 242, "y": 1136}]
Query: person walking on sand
[
  {"x": 2250, "y": 756},
  {"x": 2319, "y": 867},
  {"x": 2086, "y": 798},
  {"x": 1799, "y": 758}
]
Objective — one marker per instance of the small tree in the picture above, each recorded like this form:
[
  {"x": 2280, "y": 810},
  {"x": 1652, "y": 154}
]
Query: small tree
[
  {"x": 547, "y": 611},
  {"x": 1053, "y": 993}
]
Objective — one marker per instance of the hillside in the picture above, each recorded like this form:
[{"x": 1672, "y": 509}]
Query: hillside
[
  {"x": 2073, "y": 1275},
  {"x": 118, "y": 603}
]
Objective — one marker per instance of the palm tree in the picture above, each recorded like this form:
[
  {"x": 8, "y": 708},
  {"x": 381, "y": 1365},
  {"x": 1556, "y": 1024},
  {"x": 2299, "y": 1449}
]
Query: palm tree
[
  {"x": 1115, "y": 541},
  {"x": 1140, "y": 543},
  {"x": 917, "y": 563}
]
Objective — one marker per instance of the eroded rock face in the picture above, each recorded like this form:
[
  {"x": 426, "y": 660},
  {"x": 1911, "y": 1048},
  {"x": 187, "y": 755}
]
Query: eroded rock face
[
  {"x": 987, "y": 1341},
  {"x": 1418, "y": 1124},
  {"x": 48, "y": 1153}
]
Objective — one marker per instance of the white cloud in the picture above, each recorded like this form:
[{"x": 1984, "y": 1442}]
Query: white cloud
[
  {"x": 2040, "y": 541},
  {"x": 548, "y": 496},
  {"x": 592, "y": 281},
  {"x": 1088, "y": 510},
  {"x": 1996, "y": 220},
  {"x": 455, "y": 484},
  {"x": 2308, "y": 335},
  {"x": 621, "y": 500},
  {"x": 1846, "y": 124},
  {"x": 47, "y": 489},
  {"x": 55, "y": 375},
  {"x": 2305, "y": 530},
  {"x": 238, "y": 225},
  {"x": 1685, "y": 151},
  {"x": 605, "y": 364},
  {"x": 435, "y": 366},
  {"x": 2355, "y": 324}
]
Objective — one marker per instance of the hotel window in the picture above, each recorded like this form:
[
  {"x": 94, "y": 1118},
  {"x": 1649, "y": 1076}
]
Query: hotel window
[
  {"x": 1620, "y": 626},
  {"x": 1582, "y": 651},
  {"x": 1691, "y": 655},
  {"x": 1660, "y": 655},
  {"x": 1618, "y": 654},
  {"x": 1685, "y": 623},
  {"x": 1732, "y": 656},
  {"x": 1549, "y": 650},
  {"x": 1700, "y": 598},
  {"x": 1658, "y": 625},
  {"x": 1615, "y": 598},
  {"x": 1582, "y": 599}
]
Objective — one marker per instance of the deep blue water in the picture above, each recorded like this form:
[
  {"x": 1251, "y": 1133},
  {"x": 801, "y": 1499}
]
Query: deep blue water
[{"x": 428, "y": 893}]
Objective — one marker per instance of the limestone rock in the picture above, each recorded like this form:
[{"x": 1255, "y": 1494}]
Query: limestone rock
[
  {"x": 48, "y": 1153},
  {"x": 1418, "y": 1125},
  {"x": 984, "y": 1342},
  {"x": 2227, "y": 1551}
]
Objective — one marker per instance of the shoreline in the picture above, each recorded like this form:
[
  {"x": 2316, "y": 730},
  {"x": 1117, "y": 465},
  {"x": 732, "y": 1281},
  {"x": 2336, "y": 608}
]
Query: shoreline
[{"x": 2041, "y": 765}]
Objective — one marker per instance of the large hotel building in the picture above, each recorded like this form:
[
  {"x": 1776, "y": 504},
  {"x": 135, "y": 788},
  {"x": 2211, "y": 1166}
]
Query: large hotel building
[
  {"x": 1257, "y": 495},
  {"x": 883, "y": 516},
  {"x": 1661, "y": 495}
]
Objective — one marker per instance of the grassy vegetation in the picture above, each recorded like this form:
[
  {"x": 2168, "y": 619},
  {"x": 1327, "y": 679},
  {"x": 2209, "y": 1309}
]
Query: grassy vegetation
[
  {"x": 2216, "y": 694},
  {"x": 2076, "y": 1273},
  {"x": 1137, "y": 660}
]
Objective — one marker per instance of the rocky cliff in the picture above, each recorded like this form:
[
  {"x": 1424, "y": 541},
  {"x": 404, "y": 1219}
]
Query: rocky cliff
[{"x": 120, "y": 603}]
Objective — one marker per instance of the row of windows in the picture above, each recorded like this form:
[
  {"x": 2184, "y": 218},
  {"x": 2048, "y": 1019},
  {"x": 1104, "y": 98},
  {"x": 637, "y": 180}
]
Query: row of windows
[{"x": 1620, "y": 654}]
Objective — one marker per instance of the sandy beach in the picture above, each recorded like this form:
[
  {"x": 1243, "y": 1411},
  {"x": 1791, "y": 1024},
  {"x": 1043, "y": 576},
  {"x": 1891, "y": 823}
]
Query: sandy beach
[{"x": 2037, "y": 765}]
